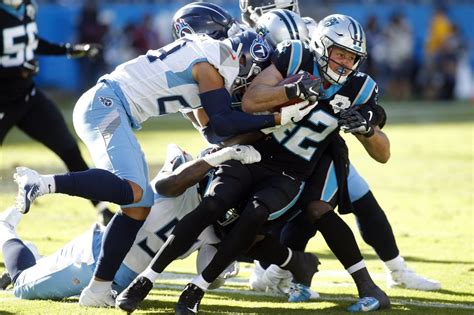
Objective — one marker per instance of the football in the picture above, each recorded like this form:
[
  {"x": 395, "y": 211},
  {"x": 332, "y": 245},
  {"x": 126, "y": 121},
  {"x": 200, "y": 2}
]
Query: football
[{"x": 287, "y": 80}]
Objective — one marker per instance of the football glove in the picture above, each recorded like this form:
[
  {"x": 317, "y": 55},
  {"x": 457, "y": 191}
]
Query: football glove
[
  {"x": 29, "y": 68},
  {"x": 246, "y": 154},
  {"x": 352, "y": 121},
  {"x": 83, "y": 50},
  {"x": 296, "y": 112},
  {"x": 306, "y": 88}
]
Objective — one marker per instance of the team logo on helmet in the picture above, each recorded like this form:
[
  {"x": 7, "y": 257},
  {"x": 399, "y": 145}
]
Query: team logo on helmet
[
  {"x": 259, "y": 49},
  {"x": 331, "y": 21},
  {"x": 182, "y": 28}
]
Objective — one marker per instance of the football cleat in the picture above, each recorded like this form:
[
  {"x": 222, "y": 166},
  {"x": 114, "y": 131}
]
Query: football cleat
[
  {"x": 93, "y": 299},
  {"x": 29, "y": 188},
  {"x": 365, "y": 304},
  {"x": 276, "y": 280},
  {"x": 189, "y": 300},
  {"x": 255, "y": 280},
  {"x": 299, "y": 293},
  {"x": 407, "y": 278},
  {"x": 136, "y": 292},
  {"x": 5, "y": 280}
]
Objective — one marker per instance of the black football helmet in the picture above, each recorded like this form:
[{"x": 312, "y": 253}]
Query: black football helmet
[
  {"x": 251, "y": 10},
  {"x": 202, "y": 17},
  {"x": 254, "y": 55}
]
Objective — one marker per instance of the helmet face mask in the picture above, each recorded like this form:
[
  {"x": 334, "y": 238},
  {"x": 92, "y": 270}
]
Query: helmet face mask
[
  {"x": 338, "y": 31},
  {"x": 252, "y": 10},
  {"x": 254, "y": 56}
]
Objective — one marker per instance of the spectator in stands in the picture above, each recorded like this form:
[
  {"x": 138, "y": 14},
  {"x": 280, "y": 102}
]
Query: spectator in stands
[
  {"x": 90, "y": 30},
  {"x": 399, "y": 56},
  {"x": 375, "y": 49},
  {"x": 145, "y": 37}
]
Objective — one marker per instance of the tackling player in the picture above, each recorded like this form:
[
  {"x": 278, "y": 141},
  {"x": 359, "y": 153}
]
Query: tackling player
[
  {"x": 178, "y": 188},
  {"x": 192, "y": 73}
]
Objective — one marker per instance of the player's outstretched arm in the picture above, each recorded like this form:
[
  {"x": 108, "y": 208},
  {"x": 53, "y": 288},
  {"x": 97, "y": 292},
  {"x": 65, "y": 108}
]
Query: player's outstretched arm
[
  {"x": 190, "y": 173},
  {"x": 216, "y": 102}
]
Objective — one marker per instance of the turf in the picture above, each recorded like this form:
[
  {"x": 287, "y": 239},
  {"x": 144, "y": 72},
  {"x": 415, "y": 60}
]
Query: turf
[{"x": 426, "y": 190}]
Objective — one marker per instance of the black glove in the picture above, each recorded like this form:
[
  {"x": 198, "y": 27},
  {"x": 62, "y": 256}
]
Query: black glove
[
  {"x": 306, "y": 88},
  {"x": 84, "y": 50},
  {"x": 29, "y": 68},
  {"x": 352, "y": 121}
]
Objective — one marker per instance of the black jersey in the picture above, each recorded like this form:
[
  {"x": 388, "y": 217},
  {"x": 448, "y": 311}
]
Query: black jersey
[
  {"x": 19, "y": 43},
  {"x": 296, "y": 148}
]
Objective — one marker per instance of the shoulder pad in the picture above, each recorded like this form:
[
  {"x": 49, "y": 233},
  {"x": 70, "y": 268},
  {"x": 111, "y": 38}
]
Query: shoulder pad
[{"x": 290, "y": 56}]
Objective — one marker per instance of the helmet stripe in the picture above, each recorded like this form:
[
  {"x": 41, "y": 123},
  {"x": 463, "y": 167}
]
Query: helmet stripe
[
  {"x": 287, "y": 24},
  {"x": 293, "y": 23},
  {"x": 295, "y": 58},
  {"x": 356, "y": 34}
]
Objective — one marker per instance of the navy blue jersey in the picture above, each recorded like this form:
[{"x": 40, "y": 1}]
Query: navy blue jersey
[
  {"x": 19, "y": 43},
  {"x": 296, "y": 148}
]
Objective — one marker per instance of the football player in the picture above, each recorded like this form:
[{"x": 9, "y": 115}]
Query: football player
[
  {"x": 178, "y": 188},
  {"x": 345, "y": 93},
  {"x": 22, "y": 104},
  {"x": 192, "y": 73},
  {"x": 372, "y": 221}
]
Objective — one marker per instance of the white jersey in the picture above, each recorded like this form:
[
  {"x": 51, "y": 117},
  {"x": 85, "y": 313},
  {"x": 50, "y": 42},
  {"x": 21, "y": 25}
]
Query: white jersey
[
  {"x": 161, "y": 81},
  {"x": 164, "y": 215}
]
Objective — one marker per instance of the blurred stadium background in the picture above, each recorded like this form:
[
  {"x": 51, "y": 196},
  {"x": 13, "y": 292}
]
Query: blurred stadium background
[{"x": 418, "y": 49}]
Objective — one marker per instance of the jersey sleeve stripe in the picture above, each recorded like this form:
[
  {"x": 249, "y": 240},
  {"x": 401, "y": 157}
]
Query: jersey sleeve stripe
[
  {"x": 295, "y": 58},
  {"x": 365, "y": 92}
]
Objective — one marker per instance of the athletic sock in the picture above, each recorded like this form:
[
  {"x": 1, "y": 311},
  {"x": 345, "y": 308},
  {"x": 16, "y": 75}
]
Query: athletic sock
[
  {"x": 397, "y": 263},
  {"x": 200, "y": 282},
  {"x": 365, "y": 284},
  {"x": 95, "y": 184},
  {"x": 117, "y": 241},
  {"x": 375, "y": 227},
  {"x": 17, "y": 257},
  {"x": 339, "y": 238},
  {"x": 150, "y": 274}
]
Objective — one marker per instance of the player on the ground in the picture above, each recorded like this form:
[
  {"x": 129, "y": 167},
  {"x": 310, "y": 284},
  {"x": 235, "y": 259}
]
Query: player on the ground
[
  {"x": 372, "y": 221},
  {"x": 195, "y": 72},
  {"x": 22, "y": 104},
  {"x": 178, "y": 188}
]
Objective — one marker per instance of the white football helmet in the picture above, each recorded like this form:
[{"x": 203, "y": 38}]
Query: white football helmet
[
  {"x": 251, "y": 10},
  {"x": 280, "y": 25},
  {"x": 341, "y": 31}
]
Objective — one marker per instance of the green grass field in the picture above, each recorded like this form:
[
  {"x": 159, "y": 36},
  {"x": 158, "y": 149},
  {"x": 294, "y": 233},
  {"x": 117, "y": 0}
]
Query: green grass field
[{"x": 426, "y": 190}]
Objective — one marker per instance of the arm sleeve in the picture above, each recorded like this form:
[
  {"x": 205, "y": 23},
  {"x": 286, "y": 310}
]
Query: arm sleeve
[
  {"x": 227, "y": 122},
  {"x": 47, "y": 48}
]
